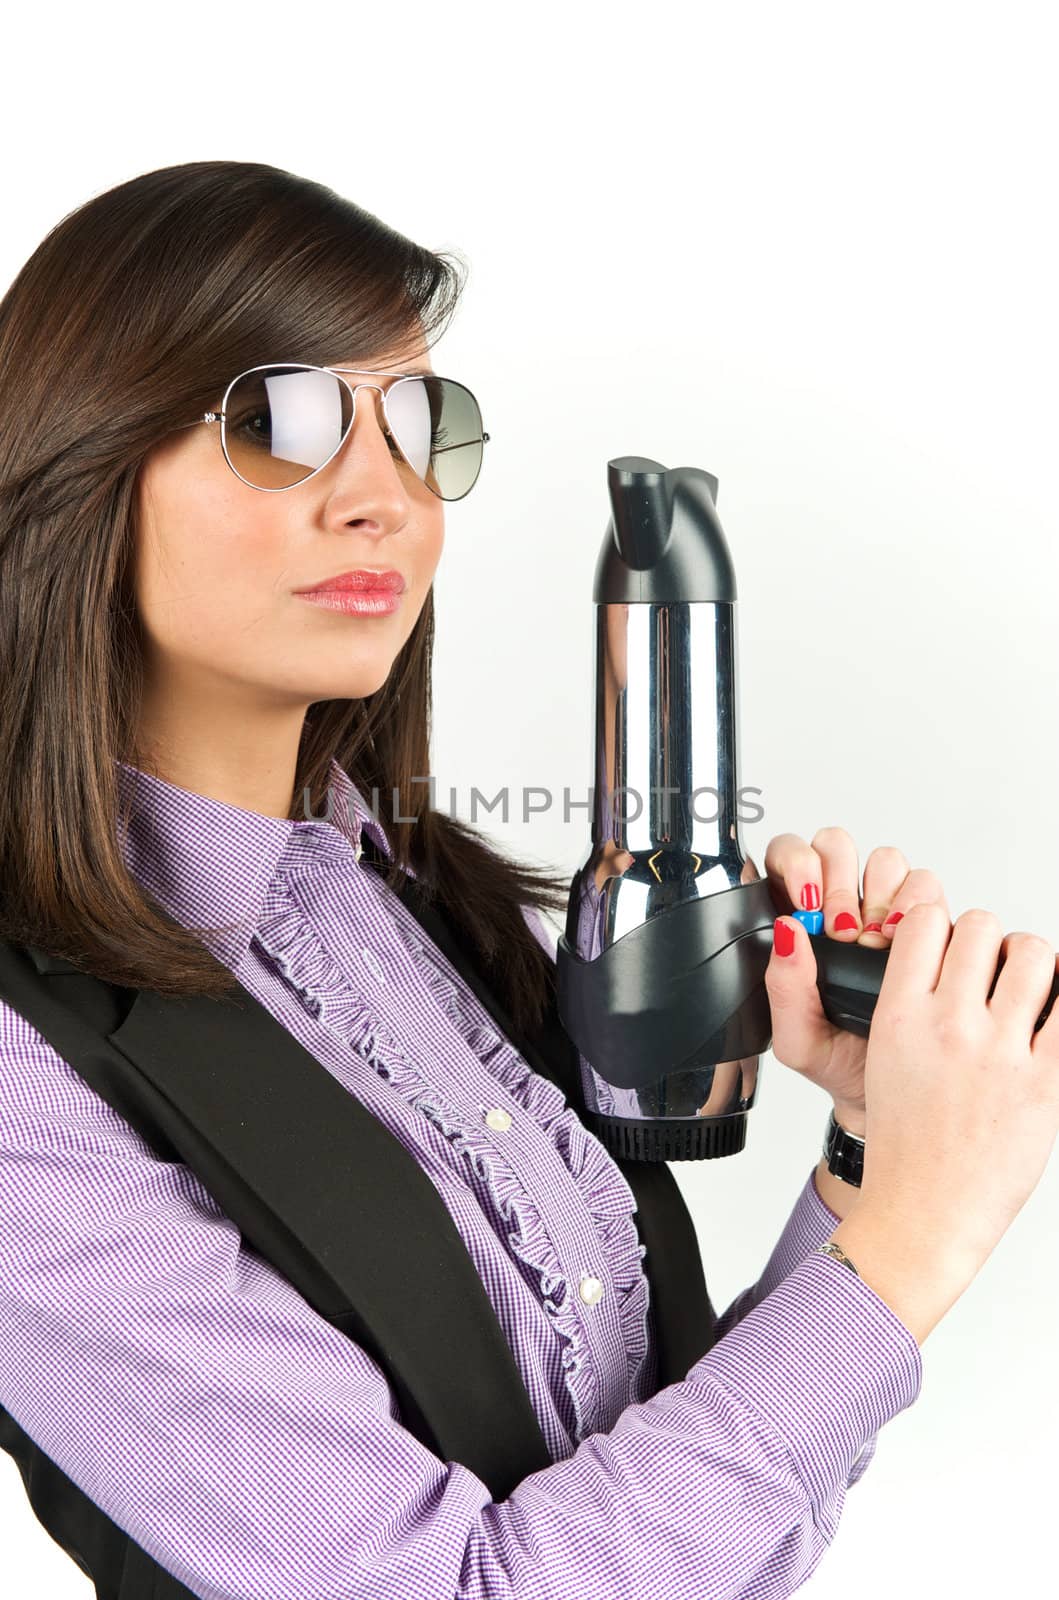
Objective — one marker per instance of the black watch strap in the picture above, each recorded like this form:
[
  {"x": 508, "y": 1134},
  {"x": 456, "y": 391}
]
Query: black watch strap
[{"x": 844, "y": 1153}]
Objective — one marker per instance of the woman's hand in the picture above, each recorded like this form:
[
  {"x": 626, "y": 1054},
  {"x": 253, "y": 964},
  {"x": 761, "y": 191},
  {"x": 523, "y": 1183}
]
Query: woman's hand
[{"x": 823, "y": 876}]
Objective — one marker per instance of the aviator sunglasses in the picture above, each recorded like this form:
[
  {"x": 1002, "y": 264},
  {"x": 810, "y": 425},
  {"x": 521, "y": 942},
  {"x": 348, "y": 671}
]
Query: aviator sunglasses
[{"x": 281, "y": 423}]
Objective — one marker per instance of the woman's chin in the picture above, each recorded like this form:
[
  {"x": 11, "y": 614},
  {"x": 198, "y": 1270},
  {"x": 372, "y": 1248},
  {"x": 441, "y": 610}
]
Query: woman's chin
[{"x": 356, "y": 685}]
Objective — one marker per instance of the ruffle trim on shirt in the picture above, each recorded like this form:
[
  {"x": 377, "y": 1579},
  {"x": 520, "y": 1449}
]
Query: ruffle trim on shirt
[
  {"x": 605, "y": 1190},
  {"x": 285, "y": 935}
]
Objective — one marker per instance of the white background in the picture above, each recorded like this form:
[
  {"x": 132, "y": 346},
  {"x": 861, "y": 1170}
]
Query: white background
[{"x": 809, "y": 248}]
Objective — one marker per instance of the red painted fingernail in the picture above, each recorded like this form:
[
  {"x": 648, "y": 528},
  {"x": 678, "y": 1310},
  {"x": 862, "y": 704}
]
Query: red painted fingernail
[
  {"x": 873, "y": 927},
  {"x": 895, "y": 916},
  {"x": 782, "y": 938},
  {"x": 810, "y": 897},
  {"x": 844, "y": 920}
]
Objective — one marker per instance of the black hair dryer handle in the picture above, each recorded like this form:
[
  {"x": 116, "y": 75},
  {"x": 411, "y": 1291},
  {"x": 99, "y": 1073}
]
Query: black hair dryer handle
[{"x": 849, "y": 977}]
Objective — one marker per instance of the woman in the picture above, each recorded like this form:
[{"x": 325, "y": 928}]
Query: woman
[{"x": 161, "y": 664}]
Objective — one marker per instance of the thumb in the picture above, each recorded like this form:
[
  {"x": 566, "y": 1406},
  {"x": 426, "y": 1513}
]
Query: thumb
[{"x": 799, "y": 1025}]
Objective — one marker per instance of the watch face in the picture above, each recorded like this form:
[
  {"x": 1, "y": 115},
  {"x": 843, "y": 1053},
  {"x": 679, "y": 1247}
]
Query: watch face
[{"x": 845, "y": 1154}]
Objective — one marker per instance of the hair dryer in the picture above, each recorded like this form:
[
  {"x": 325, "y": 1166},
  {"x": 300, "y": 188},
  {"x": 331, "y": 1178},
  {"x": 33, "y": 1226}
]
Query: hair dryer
[{"x": 660, "y": 969}]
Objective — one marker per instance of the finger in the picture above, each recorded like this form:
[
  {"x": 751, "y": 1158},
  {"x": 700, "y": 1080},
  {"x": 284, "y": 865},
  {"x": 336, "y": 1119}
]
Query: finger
[
  {"x": 884, "y": 872},
  {"x": 971, "y": 958},
  {"x": 798, "y": 1020},
  {"x": 920, "y": 884},
  {"x": 840, "y": 874},
  {"x": 794, "y": 874},
  {"x": 917, "y": 953},
  {"x": 1025, "y": 979}
]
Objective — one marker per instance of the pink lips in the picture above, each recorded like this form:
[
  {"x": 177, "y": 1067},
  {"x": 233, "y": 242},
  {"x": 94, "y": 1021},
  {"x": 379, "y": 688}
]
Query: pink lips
[
  {"x": 363, "y": 580},
  {"x": 363, "y": 593}
]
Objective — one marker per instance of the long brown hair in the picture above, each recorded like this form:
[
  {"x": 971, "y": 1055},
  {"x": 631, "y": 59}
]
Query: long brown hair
[{"x": 125, "y": 323}]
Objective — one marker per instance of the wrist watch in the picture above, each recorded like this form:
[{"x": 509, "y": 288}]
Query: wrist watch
[{"x": 844, "y": 1152}]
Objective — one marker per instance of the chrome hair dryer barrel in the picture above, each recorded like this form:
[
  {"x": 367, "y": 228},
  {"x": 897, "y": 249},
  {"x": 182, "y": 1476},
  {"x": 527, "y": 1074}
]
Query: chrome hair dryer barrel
[{"x": 659, "y": 967}]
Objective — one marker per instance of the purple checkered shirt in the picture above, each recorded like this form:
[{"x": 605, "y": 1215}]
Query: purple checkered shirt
[{"x": 254, "y": 1450}]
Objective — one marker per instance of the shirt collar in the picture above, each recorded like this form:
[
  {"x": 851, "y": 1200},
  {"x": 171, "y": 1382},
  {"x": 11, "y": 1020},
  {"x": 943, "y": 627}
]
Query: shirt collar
[{"x": 210, "y": 864}]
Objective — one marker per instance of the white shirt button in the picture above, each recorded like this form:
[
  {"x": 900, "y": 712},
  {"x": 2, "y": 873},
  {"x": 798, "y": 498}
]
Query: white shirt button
[
  {"x": 591, "y": 1290},
  {"x": 373, "y": 964},
  {"x": 499, "y": 1119},
  {"x": 358, "y": 851}
]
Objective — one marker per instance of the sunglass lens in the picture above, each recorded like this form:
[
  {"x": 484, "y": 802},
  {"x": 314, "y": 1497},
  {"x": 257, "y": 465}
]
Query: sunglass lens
[
  {"x": 438, "y": 425},
  {"x": 281, "y": 423}
]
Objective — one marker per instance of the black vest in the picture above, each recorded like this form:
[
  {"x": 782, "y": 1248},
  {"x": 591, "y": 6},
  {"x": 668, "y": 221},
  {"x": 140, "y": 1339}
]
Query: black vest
[{"x": 290, "y": 1156}]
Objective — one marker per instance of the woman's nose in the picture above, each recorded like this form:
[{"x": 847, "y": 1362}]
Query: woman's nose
[
  {"x": 370, "y": 467},
  {"x": 369, "y": 431}
]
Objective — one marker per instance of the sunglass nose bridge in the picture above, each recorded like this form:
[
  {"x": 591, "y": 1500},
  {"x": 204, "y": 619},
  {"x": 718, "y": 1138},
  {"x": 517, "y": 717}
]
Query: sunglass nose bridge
[{"x": 380, "y": 411}]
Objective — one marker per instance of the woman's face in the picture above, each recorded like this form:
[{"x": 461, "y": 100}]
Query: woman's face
[{"x": 230, "y": 646}]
